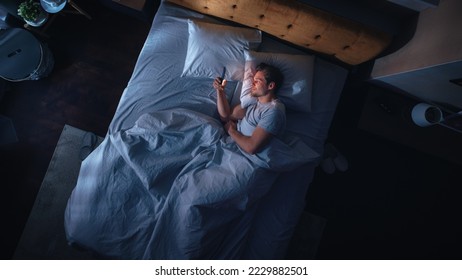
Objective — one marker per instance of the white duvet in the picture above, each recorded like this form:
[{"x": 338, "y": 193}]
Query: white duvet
[{"x": 173, "y": 186}]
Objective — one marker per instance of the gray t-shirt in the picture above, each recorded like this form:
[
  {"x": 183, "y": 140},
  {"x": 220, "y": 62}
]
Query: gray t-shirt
[{"x": 270, "y": 116}]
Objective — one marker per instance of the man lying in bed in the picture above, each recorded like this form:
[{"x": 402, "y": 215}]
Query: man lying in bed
[{"x": 252, "y": 127}]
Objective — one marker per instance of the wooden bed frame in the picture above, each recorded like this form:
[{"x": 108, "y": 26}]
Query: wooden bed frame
[{"x": 300, "y": 24}]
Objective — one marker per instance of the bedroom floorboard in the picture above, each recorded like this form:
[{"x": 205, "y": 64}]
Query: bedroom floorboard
[{"x": 93, "y": 63}]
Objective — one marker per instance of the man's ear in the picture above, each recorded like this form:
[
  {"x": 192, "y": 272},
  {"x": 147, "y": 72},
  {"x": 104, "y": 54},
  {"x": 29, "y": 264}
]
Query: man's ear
[{"x": 271, "y": 85}]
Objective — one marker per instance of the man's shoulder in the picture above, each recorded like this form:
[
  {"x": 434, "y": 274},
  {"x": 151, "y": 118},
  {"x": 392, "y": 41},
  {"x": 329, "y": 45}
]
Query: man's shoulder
[
  {"x": 276, "y": 104},
  {"x": 272, "y": 109},
  {"x": 272, "y": 104}
]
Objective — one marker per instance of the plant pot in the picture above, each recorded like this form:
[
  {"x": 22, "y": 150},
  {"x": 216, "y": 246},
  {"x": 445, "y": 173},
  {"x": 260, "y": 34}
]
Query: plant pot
[{"x": 39, "y": 21}]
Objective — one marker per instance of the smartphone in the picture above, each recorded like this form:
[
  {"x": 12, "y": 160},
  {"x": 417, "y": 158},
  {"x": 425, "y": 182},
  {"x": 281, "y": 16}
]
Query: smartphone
[{"x": 223, "y": 74}]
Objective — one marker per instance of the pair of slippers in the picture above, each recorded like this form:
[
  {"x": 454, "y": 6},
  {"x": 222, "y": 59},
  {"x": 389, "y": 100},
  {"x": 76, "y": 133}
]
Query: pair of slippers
[
  {"x": 88, "y": 144},
  {"x": 333, "y": 160}
]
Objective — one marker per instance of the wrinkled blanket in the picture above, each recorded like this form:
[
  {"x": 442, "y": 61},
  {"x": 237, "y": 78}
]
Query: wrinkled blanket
[{"x": 173, "y": 186}]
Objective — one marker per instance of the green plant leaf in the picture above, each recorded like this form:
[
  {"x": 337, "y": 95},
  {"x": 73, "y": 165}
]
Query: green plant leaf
[{"x": 29, "y": 10}]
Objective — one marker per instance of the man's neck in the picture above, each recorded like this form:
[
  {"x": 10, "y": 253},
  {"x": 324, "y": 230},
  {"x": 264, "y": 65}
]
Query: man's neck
[{"x": 267, "y": 98}]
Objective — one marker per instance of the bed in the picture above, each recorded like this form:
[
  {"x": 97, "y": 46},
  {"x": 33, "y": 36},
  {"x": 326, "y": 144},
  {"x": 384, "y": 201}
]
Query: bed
[{"x": 167, "y": 182}]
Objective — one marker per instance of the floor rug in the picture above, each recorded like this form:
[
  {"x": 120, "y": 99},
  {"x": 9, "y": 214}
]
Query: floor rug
[{"x": 43, "y": 236}]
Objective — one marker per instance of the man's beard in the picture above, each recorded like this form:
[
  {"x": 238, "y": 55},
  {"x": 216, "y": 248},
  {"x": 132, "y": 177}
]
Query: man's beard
[{"x": 256, "y": 94}]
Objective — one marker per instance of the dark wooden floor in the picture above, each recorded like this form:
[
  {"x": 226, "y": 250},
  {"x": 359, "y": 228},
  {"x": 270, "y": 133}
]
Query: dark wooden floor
[
  {"x": 393, "y": 202},
  {"x": 93, "y": 62}
]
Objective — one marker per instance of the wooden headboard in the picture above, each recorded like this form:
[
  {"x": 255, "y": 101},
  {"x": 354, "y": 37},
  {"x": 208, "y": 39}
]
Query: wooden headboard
[{"x": 300, "y": 24}]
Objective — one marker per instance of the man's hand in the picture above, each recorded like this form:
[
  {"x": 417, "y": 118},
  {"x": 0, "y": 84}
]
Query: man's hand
[
  {"x": 219, "y": 84},
  {"x": 222, "y": 103},
  {"x": 250, "y": 144},
  {"x": 230, "y": 125}
]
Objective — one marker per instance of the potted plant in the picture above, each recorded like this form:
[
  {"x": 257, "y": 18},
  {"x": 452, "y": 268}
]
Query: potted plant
[{"x": 32, "y": 13}]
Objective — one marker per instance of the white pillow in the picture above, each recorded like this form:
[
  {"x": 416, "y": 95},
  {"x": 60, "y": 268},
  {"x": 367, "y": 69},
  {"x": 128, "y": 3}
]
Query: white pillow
[
  {"x": 212, "y": 47},
  {"x": 297, "y": 70}
]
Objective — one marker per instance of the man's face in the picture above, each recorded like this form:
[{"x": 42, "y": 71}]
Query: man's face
[{"x": 259, "y": 85}]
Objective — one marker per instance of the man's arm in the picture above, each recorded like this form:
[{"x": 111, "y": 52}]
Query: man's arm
[
  {"x": 223, "y": 106},
  {"x": 238, "y": 113},
  {"x": 222, "y": 103},
  {"x": 250, "y": 144}
]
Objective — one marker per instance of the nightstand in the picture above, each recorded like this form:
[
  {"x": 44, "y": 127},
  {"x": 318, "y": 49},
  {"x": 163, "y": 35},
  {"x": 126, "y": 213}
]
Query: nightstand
[
  {"x": 70, "y": 8},
  {"x": 388, "y": 114}
]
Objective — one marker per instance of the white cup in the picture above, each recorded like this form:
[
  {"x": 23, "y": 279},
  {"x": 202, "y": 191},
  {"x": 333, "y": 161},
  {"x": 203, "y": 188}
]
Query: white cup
[{"x": 424, "y": 114}]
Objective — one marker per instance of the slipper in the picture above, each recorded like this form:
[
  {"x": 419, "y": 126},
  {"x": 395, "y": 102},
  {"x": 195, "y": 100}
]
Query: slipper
[
  {"x": 339, "y": 160},
  {"x": 88, "y": 145},
  {"x": 327, "y": 164}
]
